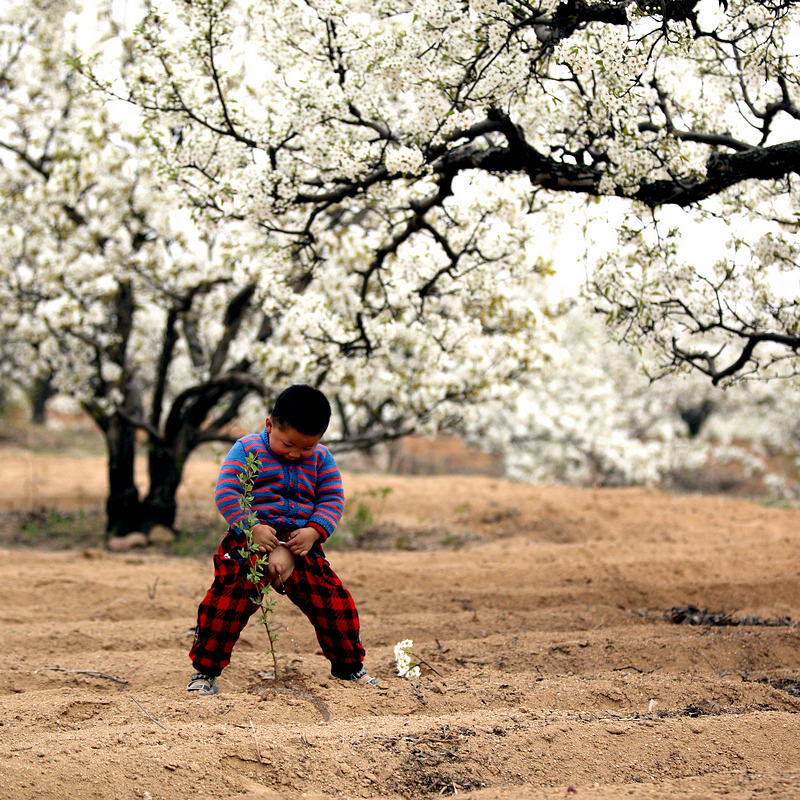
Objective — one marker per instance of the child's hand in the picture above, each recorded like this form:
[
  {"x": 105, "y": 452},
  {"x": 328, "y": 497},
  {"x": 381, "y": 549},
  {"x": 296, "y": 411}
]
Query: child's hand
[
  {"x": 302, "y": 540},
  {"x": 280, "y": 567},
  {"x": 264, "y": 538}
]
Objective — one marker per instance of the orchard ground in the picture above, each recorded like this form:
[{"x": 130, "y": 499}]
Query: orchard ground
[{"x": 544, "y": 619}]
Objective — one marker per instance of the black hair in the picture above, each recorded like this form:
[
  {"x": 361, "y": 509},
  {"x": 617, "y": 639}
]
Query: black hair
[{"x": 303, "y": 407}]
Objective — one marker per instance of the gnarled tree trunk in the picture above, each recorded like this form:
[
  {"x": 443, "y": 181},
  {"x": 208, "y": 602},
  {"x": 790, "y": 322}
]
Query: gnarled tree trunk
[
  {"x": 123, "y": 509},
  {"x": 165, "y": 467}
]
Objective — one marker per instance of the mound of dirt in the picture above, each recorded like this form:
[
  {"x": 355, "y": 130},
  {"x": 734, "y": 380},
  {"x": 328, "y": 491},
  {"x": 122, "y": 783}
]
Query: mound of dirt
[{"x": 544, "y": 620}]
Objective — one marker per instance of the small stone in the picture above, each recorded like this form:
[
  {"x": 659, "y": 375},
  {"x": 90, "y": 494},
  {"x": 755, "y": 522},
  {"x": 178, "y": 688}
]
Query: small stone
[
  {"x": 161, "y": 535},
  {"x": 122, "y": 544}
]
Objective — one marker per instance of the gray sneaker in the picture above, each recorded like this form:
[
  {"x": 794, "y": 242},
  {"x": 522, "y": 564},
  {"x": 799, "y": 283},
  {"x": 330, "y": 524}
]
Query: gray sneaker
[
  {"x": 202, "y": 684},
  {"x": 361, "y": 677}
]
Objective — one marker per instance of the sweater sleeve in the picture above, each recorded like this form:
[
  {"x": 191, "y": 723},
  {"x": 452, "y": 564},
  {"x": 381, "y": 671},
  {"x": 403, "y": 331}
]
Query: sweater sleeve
[
  {"x": 229, "y": 490},
  {"x": 329, "y": 505}
]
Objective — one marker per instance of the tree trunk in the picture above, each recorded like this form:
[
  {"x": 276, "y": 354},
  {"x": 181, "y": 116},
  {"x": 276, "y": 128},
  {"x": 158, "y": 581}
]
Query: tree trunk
[
  {"x": 40, "y": 393},
  {"x": 123, "y": 509},
  {"x": 695, "y": 416},
  {"x": 190, "y": 413},
  {"x": 165, "y": 466}
]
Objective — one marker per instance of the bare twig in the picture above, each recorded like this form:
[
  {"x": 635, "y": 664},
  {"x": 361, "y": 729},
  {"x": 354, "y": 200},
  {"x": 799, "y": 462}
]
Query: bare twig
[
  {"x": 90, "y": 672},
  {"x": 151, "y": 590},
  {"x": 708, "y": 661},
  {"x": 419, "y": 694},
  {"x": 421, "y": 660},
  {"x": 147, "y": 713},
  {"x": 255, "y": 739}
]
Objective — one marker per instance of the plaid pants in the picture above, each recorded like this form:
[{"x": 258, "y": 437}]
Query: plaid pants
[{"x": 313, "y": 587}]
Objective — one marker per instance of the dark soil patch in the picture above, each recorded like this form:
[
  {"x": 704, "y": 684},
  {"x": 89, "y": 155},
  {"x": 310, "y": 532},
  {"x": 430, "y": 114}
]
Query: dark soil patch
[
  {"x": 788, "y": 685},
  {"x": 692, "y": 615}
]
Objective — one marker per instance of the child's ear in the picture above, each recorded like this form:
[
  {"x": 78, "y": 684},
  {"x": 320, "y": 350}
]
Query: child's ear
[{"x": 268, "y": 424}]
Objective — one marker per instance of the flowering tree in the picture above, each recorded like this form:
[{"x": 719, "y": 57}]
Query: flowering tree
[
  {"x": 350, "y": 194},
  {"x": 595, "y": 419},
  {"x": 107, "y": 292},
  {"x": 324, "y": 119},
  {"x": 162, "y": 321}
]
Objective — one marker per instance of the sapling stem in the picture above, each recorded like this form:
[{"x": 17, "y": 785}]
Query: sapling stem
[{"x": 259, "y": 563}]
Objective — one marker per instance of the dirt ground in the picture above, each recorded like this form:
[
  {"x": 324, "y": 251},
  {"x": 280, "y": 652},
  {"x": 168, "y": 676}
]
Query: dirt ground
[{"x": 552, "y": 666}]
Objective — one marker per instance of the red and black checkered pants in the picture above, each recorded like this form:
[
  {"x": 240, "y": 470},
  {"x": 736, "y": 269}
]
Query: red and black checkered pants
[{"x": 313, "y": 587}]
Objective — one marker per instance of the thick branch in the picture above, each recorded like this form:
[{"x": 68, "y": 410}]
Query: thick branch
[
  {"x": 346, "y": 190},
  {"x": 571, "y": 15},
  {"x": 365, "y": 442},
  {"x": 723, "y": 169},
  {"x": 209, "y": 392},
  {"x": 713, "y": 139},
  {"x": 213, "y": 431},
  {"x": 37, "y": 166},
  {"x": 162, "y": 369},
  {"x": 707, "y": 362},
  {"x": 234, "y": 316},
  {"x": 124, "y": 308}
]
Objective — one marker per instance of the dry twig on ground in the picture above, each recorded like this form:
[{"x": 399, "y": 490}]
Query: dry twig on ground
[
  {"x": 149, "y": 715},
  {"x": 90, "y": 672}
]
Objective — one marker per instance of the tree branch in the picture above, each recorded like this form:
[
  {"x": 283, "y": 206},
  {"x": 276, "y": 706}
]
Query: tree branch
[
  {"x": 723, "y": 169},
  {"x": 36, "y": 166},
  {"x": 234, "y": 316},
  {"x": 162, "y": 369},
  {"x": 209, "y": 391},
  {"x": 707, "y": 362}
]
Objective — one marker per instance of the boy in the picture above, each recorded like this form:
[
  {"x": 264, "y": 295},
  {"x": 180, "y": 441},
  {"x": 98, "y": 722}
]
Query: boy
[{"x": 298, "y": 499}]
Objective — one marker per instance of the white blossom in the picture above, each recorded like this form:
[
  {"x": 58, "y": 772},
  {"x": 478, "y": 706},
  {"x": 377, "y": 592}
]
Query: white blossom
[{"x": 406, "y": 667}]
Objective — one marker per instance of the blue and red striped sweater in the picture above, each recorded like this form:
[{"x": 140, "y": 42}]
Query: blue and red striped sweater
[{"x": 286, "y": 494}]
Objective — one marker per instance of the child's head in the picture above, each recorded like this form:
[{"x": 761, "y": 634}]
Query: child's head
[
  {"x": 299, "y": 418},
  {"x": 303, "y": 408}
]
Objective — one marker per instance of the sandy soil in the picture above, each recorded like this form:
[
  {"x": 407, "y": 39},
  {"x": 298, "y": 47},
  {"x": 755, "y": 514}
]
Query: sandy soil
[{"x": 549, "y": 668}]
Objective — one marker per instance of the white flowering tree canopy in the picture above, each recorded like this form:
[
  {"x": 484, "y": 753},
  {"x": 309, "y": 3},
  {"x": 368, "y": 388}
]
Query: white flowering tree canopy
[
  {"x": 162, "y": 317},
  {"x": 399, "y": 142},
  {"x": 359, "y": 195},
  {"x": 595, "y": 419},
  {"x": 107, "y": 287}
]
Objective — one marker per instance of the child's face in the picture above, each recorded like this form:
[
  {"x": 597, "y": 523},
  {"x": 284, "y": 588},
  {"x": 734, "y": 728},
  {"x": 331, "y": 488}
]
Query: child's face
[{"x": 289, "y": 443}]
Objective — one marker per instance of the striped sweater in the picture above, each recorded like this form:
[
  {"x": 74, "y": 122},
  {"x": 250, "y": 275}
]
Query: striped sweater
[{"x": 286, "y": 494}]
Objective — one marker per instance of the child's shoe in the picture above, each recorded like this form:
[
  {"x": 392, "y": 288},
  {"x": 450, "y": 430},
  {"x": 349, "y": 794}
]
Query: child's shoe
[
  {"x": 360, "y": 676},
  {"x": 202, "y": 684}
]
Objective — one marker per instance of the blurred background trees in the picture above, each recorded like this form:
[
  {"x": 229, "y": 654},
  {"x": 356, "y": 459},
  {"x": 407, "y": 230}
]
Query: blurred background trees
[{"x": 201, "y": 205}]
